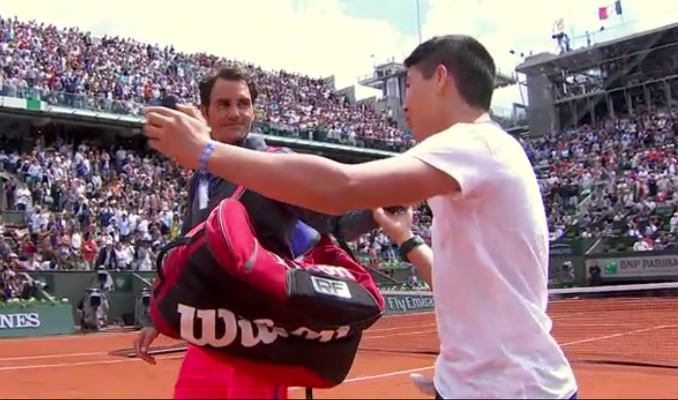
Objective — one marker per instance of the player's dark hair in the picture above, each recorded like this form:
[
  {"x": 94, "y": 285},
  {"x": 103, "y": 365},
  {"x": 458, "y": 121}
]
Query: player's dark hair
[
  {"x": 466, "y": 60},
  {"x": 231, "y": 74}
]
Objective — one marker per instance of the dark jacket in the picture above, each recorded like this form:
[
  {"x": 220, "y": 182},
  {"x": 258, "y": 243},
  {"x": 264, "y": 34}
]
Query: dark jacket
[
  {"x": 107, "y": 252},
  {"x": 274, "y": 222}
]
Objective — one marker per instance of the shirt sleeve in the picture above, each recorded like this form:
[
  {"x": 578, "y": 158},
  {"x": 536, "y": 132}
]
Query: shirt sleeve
[
  {"x": 348, "y": 226},
  {"x": 462, "y": 153}
]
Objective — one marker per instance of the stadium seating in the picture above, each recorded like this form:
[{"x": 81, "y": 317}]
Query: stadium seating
[
  {"x": 71, "y": 68},
  {"x": 600, "y": 182}
]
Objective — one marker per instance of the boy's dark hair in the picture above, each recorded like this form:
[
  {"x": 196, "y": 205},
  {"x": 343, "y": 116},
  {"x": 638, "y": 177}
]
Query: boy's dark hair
[
  {"x": 228, "y": 74},
  {"x": 466, "y": 59}
]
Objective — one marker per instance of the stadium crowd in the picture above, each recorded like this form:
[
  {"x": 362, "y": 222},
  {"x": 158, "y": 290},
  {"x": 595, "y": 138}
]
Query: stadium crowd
[
  {"x": 617, "y": 179},
  {"x": 90, "y": 205},
  {"x": 72, "y": 68}
]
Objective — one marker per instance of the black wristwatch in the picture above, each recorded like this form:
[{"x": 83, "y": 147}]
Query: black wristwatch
[{"x": 409, "y": 245}]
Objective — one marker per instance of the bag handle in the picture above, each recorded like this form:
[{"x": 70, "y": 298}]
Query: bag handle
[
  {"x": 237, "y": 194},
  {"x": 179, "y": 241},
  {"x": 240, "y": 190}
]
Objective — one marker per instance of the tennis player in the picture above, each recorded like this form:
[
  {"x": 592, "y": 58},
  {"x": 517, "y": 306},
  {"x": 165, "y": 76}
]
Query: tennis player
[
  {"x": 227, "y": 99},
  {"x": 490, "y": 238}
]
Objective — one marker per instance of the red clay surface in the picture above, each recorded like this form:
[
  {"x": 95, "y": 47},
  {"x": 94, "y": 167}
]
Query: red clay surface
[{"x": 80, "y": 367}]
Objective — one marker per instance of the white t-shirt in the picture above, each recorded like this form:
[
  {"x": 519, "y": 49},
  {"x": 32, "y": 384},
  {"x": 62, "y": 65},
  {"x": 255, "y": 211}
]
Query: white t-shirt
[{"x": 490, "y": 272}]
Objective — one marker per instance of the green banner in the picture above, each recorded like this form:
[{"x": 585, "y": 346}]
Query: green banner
[
  {"x": 33, "y": 104},
  {"x": 563, "y": 271},
  {"x": 46, "y": 278},
  {"x": 566, "y": 262},
  {"x": 149, "y": 276},
  {"x": 563, "y": 249},
  {"x": 645, "y": 266},
  {"x": 35, "y": 320},
  {"x": 407, "y": 302},
  {"x": 570, "y": 247},
  {"x": 123, "y": 282}
]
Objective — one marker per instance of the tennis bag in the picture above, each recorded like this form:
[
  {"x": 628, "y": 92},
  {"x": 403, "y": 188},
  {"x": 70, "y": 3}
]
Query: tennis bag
[{"x": 289, "y": 322}]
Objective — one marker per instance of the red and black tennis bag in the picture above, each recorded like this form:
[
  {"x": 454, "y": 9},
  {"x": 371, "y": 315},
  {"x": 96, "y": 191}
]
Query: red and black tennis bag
[{"x": 289, "y": 322}]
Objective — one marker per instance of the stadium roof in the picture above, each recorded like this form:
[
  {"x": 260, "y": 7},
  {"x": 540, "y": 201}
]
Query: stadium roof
[
  {"x": 377, "y": 81},
  {"x": 504, "y": 80},
  {"x": 542, "y": 58}
]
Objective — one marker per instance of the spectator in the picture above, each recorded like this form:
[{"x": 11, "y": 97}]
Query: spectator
[
  {"x": 116, "y": 75},
  {"x": 90, "y": 204}
]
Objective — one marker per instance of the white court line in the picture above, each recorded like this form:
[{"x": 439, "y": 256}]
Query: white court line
[
  {"x": 602, "y": 325},
  {"x": 103, "y": 353},
  {"x": 380, "y": 376},
  {"x": 399, "y": 328},
  {"x": 364, "y": 378},
  {"x": 131, "y": 332},
  {"x": 50, "y": 356},
  {"x": 82, "y": 364},
  {"x": 76, "y": 335},
  {"x": 415, "y": 333},
  {"x": 410, "y": 371},
  {"x": 633, "y": 332},
  {"x": 413, "y": 314}
]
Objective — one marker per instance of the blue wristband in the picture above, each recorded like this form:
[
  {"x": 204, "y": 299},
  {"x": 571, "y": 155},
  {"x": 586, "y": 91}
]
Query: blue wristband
[{"x": 205, "y": 155}]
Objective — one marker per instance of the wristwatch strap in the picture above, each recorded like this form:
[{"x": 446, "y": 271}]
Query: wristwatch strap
[{"x": 407, "y": 246}]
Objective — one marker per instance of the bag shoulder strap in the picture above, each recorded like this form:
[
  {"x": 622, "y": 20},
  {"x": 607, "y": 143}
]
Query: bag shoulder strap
[{"x": 237, "y": 194}]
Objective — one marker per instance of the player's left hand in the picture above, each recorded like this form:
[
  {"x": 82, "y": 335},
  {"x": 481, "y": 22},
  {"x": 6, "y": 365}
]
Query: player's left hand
[
  {"x": 397, "y": 225},
  {"x": 176, "y": 134},
  {"x": 142, "y": 343},
  {"x": 191, "y": 111}
]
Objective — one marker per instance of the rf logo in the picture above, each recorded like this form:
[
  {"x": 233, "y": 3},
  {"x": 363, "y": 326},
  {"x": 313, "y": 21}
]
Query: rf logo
[{"x": 331, "y": 287}]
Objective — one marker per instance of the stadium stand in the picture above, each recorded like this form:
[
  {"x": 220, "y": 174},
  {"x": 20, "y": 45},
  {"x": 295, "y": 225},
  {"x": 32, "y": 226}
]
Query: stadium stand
[
  {"x": 73, "y": 192},
  {"x": 83, "y": 193},
  {"x": 73, "y": 197}
]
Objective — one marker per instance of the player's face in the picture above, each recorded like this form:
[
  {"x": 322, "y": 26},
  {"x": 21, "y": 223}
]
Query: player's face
[
  {"x": 419, "y": 103},
  {"x": 230, "y": 112}
]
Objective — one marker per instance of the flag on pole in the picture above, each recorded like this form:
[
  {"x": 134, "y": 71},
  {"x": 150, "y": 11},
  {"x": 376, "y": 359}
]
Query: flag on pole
[
  {"x": 558, "y": 27},
  {"x": 605, "y": 12}
]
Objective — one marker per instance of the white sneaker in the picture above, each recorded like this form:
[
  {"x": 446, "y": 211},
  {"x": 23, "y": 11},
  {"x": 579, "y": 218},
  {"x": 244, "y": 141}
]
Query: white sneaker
[{"x": 424, "y": 384}]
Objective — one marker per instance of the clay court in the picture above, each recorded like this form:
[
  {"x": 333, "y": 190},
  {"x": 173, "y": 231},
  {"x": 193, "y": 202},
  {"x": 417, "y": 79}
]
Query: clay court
[{"x": 622, "y": 329}]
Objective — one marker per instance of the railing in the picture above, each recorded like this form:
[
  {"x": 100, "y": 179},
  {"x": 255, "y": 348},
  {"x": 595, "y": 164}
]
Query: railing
[
  {"x": 505, "y": 116},
  {"x": 133, "y": 108},
  {"x": 13, "y": 217}
]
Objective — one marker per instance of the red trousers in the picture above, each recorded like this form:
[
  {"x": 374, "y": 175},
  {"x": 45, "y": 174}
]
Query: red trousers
[{"x": 202, "y": 377}]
